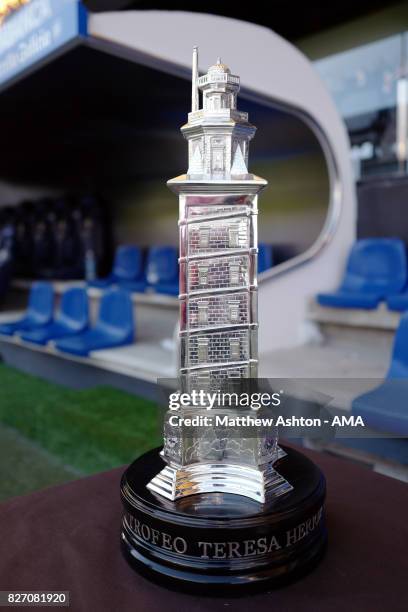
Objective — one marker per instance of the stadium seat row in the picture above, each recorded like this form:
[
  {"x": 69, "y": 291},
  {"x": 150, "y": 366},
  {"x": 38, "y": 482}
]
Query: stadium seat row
[
  {"x": 130, "y": 270},
  {"x": 376, "y": 271},
  {"x": 69, "y": 329}
]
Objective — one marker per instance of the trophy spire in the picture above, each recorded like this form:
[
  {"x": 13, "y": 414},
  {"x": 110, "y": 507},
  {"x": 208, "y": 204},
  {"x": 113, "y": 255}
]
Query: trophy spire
[{"x": 194, "y": 86}]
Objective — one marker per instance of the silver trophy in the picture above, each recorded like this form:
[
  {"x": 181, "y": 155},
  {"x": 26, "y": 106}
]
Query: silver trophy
[
  {"x": 268, "y": 532},
  {"x": 218, "y": 299}
]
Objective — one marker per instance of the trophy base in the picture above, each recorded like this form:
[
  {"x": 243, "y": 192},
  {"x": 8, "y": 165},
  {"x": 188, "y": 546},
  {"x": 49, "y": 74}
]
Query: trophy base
[
  {"x": 260, "y": 483},
  {"x": 224, "y": 543}
]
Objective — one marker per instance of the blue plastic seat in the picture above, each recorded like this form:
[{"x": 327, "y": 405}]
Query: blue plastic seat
[
  {"x": 385, "y": 408},
  {"x": 265, "y": 257},
  {"x": 376, "y": 268},
  {"x": 39, "y": 310},
  {"x": 163, "y": 270},
  {"x": 114, "y": 327},
  {"x": 127, "y": 269},
  {"x": 71, "y": 319},
  {"x": 399, "y": 301}
]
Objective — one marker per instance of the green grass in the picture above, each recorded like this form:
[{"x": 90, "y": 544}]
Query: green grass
[
  {"x": 86, "y": 431},
  {"x": 25, "y": 467}
]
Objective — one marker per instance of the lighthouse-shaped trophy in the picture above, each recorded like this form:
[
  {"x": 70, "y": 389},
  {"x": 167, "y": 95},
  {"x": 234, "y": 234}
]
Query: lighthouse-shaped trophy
[{"x": 220, "y": 507}]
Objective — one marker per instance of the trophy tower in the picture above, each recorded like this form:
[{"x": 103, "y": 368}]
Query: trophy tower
[
  {"x": 218, "y": 297},
  {"x": 217, "y": 509}
]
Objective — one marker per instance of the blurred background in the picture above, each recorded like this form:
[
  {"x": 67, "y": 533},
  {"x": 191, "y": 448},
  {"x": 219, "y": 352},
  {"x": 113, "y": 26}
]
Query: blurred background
[{"x": 89, "y": 139}]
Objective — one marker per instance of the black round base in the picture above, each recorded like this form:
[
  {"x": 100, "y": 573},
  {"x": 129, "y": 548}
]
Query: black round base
[{"x": 217, "y": 543}]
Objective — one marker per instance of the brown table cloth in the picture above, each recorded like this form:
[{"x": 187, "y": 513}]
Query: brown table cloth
[{"x": 67, "y": 538}]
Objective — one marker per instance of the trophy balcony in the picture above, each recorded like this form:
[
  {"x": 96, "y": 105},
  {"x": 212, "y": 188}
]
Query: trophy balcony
[{"x": 222, "y": 114}]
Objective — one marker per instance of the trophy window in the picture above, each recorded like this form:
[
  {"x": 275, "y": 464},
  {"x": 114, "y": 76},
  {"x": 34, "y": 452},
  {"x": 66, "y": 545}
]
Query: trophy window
[
  {"x": 233, "y": 237},
  {"x": 234, "y": 271},
  {"x": 204, "y": 237},
  {"x": 203, "y": 313},
  {"x": 234, "y": 349},
  {"x": 202, "y": 346},
  {"x": 233, "y": 311},
  {"x": 203, "y": 275}
]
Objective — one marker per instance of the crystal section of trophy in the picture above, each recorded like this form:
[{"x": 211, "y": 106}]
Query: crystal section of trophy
[{"x": 218, "y": 300}]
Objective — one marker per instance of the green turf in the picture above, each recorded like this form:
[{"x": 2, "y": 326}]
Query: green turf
[
  {"x": 87, "y": 431},
  {"x": 24, "y": 467}
]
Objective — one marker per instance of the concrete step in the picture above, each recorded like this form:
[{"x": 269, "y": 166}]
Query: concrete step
[
  {"x": 346, "y": 353},
  {"x": 145, "y": 360},
  {"x": 339, "y": 370},
  {"x": 375, "y": 328},
  {"x": 325, "y": 360},
  {"x": 380, "y": 318},
  {"x": 370, "y": 332}
]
